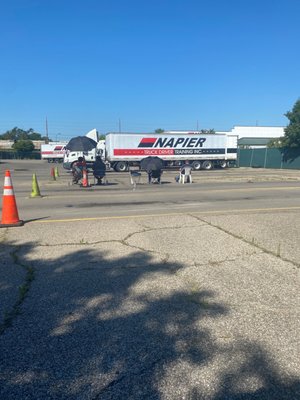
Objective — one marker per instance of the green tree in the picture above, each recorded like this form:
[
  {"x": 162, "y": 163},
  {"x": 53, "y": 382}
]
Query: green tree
[
  {"x": 23, "y": 145},
  {"x": 35, "y": 136},
  {"x": 275, "y": 143},
  {"x": 10, "y": 135},
  {"x": 102, "y": 137},
  {"x": 291, "y": 138},
  {"x": 20, "y": 134},
  {"x": 159, "y": 130}
]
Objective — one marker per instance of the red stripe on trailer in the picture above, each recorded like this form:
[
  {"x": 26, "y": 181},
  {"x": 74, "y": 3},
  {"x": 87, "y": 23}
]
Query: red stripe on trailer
[
  {"x": 148, "y": 140},
  {"x": 143, "y": 152}
]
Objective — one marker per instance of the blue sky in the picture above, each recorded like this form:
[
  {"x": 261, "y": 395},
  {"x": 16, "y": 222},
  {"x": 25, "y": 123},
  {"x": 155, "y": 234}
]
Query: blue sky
[{"x": 151, "y": 64}]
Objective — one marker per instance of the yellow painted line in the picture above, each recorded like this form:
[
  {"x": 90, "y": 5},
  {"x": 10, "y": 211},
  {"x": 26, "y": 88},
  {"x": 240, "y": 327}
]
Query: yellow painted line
[{"x": 165, "y": 214}]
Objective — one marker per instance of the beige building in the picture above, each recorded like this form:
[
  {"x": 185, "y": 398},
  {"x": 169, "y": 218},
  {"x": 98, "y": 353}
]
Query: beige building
[{"x": 7, "y": 144}]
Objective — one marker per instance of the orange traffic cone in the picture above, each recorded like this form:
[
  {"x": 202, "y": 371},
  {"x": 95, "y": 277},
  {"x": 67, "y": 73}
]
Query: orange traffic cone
[
  {"x": 53, "y": 174},
  {"x": 85, "y": 179},
  {"x": 10, "y": 216}
]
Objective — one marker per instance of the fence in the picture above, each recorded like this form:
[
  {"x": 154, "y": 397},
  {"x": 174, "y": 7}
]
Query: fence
[
  {"x": 269, "y": 158},
  {"x": 20, "y": 155},
  {"x": 256, "y": 158}
]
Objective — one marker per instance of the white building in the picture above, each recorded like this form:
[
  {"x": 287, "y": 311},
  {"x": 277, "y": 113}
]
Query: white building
[
  {"x": 249, "y": 136},
  {"x": 258, "y": 131},
  {"x": 255, "y": 137}
]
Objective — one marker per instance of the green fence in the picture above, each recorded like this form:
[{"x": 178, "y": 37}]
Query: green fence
[
  {"x": 20, "y": 155},
  {"x": 269, "y": 158}
]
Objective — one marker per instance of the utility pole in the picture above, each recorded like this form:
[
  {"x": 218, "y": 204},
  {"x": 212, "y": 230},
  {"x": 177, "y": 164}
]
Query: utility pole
[{"x": 47, "y": 130}]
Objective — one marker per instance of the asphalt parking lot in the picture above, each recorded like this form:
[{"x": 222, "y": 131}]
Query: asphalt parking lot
[{"x": 164, "y": 292}]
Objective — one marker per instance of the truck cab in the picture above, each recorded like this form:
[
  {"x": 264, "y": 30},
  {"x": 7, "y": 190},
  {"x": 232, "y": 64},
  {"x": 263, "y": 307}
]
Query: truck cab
[{"x": 90, "y": 156}]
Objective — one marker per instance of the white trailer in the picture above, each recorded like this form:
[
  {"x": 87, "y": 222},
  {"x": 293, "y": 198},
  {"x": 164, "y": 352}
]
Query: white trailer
[
  {"x": 202, "y": 151},
  {"x": 53, "y": 152}
]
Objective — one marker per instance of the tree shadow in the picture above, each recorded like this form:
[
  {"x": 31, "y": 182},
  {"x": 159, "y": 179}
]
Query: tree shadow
[
  {"x": 257, "y": 369},
  {"x": 99, "y": 327}
]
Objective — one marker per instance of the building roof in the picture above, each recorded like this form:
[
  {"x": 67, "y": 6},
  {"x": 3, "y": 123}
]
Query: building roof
[{"x": 254, "y": 141}]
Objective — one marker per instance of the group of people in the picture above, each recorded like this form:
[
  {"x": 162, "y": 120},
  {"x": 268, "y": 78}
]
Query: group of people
[{"x": 99, "y": 170}]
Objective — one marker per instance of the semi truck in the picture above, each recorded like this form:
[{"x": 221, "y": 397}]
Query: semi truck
[
  {"x": 90, "y": 156},
  {"x": 53, "y": 152},
  {"x": 202, "y": 151}
]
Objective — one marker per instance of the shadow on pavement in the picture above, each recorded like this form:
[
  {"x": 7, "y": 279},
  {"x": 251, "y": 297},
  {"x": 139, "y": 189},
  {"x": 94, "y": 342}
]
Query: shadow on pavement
[{"x": 98, "y": 327}]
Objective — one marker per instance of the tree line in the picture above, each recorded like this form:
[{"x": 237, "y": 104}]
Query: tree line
[{"x": 23, "y": 139}]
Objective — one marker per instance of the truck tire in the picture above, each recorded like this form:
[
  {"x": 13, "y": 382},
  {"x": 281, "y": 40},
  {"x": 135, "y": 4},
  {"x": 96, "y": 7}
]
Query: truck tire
[
  {"x": 196, "y": 165},
  {"x": 223, "y": 164},
  {"x": 121, "y": 166},
  {"x": 207, "y": 165},
  {"x": 71, "y": 165}
]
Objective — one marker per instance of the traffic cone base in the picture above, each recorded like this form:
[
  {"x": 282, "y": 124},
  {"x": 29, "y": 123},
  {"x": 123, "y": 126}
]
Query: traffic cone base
[
  {"x": 10, "y": 216},
  {"x": 19, "y": 223}
]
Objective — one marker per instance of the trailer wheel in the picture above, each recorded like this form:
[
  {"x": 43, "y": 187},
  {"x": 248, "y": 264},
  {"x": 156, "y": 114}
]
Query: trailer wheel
[
  {"x": 196, "y": 165},
  {"x": 121, "y": 166},
  {"x": 223, "y": 164},
  {"x": 207, "y": 165}
]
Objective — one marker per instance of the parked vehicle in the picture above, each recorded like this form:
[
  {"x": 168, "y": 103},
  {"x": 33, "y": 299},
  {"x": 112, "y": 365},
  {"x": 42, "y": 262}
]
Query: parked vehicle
[
  {"x": 53, "y": 152},
  {"x": 71, "y": 157},
  {"x": 203, "y": 151}
]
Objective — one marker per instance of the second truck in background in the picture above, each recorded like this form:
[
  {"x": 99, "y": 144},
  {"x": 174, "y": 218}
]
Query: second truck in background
[{"x": 53, "y": 152}]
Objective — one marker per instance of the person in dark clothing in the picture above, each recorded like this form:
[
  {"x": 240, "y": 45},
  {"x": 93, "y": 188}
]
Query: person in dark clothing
[
  {"x": 99, "y": 170},
  {"x": 154, "y": 174}
]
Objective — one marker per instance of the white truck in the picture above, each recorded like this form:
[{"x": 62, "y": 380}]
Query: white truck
[
  {"x": 203, "y": 151},
  {"x": 90, "y": 156},
  {"x": 53, "y": 152}
]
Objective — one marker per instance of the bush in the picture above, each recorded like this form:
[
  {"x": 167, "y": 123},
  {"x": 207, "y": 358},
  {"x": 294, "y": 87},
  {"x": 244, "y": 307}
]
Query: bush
[{"x": 23, "y": 145}]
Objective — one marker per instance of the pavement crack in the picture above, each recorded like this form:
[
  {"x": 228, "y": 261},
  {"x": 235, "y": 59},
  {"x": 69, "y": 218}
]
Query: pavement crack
[
  {"x": 23, "y": 292},
  {"x": 249, "y": 242},
  {"x": 220, "y": 262}
]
